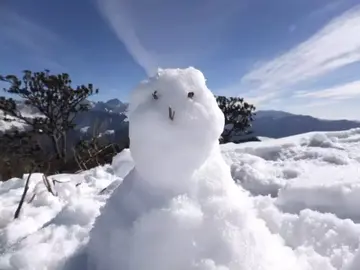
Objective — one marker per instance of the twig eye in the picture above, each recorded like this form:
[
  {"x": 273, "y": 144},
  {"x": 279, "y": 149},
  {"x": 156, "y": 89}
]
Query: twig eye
[
  {"x": 155, "y": 95},
  {"x": 190, "y": 94}
]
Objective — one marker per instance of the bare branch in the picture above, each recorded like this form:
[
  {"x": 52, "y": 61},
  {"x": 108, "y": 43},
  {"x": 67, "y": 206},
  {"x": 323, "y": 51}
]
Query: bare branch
[
  {"x": 47, "y": 184},
  {"x": 26, "y": 188}
]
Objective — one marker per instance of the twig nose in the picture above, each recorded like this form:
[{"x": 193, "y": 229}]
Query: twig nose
[{"x": 171, "y": 114}]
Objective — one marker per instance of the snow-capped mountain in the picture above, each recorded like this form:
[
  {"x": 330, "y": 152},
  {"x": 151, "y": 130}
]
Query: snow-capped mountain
[
  {"x": 106, "y": 115},
  {"x": 106, "y": 118},
  {"x": 111, "y": 106}
]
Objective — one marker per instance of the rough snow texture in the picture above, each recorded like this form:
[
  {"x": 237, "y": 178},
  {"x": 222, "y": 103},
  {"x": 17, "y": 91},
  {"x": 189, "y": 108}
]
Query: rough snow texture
[
  {"x": 50, "y": 229},
  {"x": 179, "y": 208},
  {"x": 314, "y": 180},
  {"x": 29, "y": 244}
]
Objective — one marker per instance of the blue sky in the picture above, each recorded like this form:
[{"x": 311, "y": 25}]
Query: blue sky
[{"x": 301, "y": 56}]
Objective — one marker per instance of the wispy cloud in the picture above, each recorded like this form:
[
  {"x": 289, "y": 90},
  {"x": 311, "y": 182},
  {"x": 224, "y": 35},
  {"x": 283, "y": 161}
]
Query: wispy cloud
[
  {"x": 318, "y": 103},
  {"x": 17, "y": 30},
  {"x": 334, "y": 46},
  {"x": 173, "y": 34},
  {"x": 117, "y": 15},
  {"x": 339, "y": 92},
  {"x": 325, "y": 108},
  {"x": 259, "y": 99}
]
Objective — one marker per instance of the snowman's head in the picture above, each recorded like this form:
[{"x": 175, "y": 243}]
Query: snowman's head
[{"x": 175, "y": 124}]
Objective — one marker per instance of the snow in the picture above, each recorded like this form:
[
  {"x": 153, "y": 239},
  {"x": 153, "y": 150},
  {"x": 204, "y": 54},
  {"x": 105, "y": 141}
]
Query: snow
[
  {"x": 15, "y": 123},
  {"x": 50, "y": 229},
  {"x": 261, "y": 138},
  {"x": 85, "y": 129},
  {"x": 292, "y": 205}
]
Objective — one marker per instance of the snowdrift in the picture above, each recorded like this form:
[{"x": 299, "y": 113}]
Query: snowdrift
[{"x": 43, "y": 239}]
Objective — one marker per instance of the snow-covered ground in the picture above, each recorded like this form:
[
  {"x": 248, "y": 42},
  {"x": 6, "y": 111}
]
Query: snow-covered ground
[
  {"x": 50, "y": 229},
  {"x": 316, "y": 177},
  {"x": 294, "y": 206},
  {"x": 307, "y": 189}
]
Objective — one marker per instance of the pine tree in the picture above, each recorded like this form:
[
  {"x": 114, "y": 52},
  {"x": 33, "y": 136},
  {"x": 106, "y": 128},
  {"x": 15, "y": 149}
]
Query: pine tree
[{"x": 57, "y": 102}]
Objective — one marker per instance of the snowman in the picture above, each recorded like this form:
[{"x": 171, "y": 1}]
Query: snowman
[{"x": 179, "y": 208}]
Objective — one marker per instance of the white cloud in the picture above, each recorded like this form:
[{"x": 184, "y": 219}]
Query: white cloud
[
  {"x": 319, "y": 103},
  {"x": 117, "y": 16},
  {"x": 166, "y": 33},
  {"x": 336, "y": 45},
  {"x": 326, "y": 109},
  {"x": 339, "y": 92},
  {"x": 336, "y": 102},
  {"x": 260, "y": 99}
]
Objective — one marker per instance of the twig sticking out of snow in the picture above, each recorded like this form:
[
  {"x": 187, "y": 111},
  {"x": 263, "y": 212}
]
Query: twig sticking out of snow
[
  {"x": 110, "y": 188},
  {"x": 171, "y": 114},
  {"x": 103, "y": 191},
  {"x": 60, "y": 182},
  {"x": 48, "y": 185},
  {"x": 26, "y": 188},
  {"x": 32, "y": 198}
]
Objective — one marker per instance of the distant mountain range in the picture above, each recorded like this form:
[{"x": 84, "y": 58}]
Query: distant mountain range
[
  {"x": 107, "y": 119},
  {"x": 278, "y": 124},
  {"x": 110, "y": 119}
]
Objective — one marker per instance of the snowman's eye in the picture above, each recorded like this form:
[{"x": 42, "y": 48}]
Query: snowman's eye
[
  {"x": 155, "y": 95},
  {"x": 190, "y": 94}
]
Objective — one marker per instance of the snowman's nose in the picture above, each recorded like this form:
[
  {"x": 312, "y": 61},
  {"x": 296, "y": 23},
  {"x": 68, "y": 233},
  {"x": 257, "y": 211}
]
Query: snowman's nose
[{"x": 171, "y": 114}]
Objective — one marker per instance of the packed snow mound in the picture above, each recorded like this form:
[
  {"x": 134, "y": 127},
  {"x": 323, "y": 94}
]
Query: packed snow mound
[
  {"x": 179, "y": 208},
  {"x": 184, "y": 121}
]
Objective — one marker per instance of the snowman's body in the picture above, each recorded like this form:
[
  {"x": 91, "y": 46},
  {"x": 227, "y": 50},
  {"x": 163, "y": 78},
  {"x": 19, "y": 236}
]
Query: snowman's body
[{"x": 179, "y": 209}]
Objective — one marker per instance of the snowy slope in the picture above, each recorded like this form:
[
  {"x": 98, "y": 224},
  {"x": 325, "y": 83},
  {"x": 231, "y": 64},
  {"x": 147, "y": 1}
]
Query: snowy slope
[
  {"x": 316, "y": 213},
  {"x": 17, "y": 124}
]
